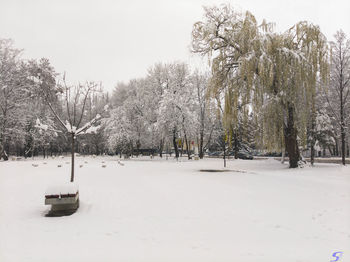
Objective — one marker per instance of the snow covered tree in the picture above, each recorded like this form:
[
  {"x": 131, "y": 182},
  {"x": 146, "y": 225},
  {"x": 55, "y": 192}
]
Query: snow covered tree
[
  {"x": 274, "y": 72},
  {"x": 158, "y": 80},
  {"x": 14, "y": 93},
  {"x": 40, "y": 71},
  {"x": 176, "y": 110},
  {"x": 73, "y": 119},
  {"x": 135, "y": 109},
  {"x": 337, "y": 94},
  {"x": 43, "y": 135},
  {"x": 206, "y": 111},
  {"x": 94, "y": 141},
  {"x": 323, "y": 130},
  {"x": 119, "y": 131}
]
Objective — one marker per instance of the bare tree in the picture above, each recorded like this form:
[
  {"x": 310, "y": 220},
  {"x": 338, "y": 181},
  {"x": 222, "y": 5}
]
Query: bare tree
[
  {"x": 75, "y": 100},
  {"x": 337, "y": 95},
  {"x": 206, "y": 112}
]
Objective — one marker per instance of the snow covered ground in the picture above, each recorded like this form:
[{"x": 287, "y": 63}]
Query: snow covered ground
[{"x": 169, "y": 211}]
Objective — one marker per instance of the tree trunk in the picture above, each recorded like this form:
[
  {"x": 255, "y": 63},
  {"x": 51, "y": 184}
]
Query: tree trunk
[
  {"x": 312, "y": 142},
  {"x": 235, "y": 140},
  {"x": 201, "y": 141},
  {"x": 342, "y": 125},
  {"x": 175, "y": 144},
  {"x": 188, "y": 148},
  {"x": 182, "y": 147},
  {"x": 3, "y": 153},
  {"x": 312, "y": 157},
  {"x": 224, "y": 152},
  {"x": 138, "y": 147},
  {"x": 313, "y": 127},
  {"x": 343, "y": 145},
  {"x": 72, "y": 164},
  {"x": 290, "y": 138},
  {"x": 161, "y": 145}
]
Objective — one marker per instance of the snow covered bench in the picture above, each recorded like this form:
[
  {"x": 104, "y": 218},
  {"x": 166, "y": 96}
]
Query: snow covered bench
[{"x": 64, "y": 199}]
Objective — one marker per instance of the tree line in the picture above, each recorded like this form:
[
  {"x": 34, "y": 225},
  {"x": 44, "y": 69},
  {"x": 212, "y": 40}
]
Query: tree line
[{"x": 267, "y": 91}]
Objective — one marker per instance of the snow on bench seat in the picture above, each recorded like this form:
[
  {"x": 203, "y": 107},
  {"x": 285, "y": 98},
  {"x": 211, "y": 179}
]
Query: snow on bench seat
[
  {"x": 67, "y": 193},
  {"x": 62, "y": 190}
]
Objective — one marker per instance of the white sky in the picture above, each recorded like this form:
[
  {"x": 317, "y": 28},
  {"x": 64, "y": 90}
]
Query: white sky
[{"x": 112, "y": 41}]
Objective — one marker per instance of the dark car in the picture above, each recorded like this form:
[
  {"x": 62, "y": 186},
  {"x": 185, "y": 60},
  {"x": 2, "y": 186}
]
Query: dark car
[{"x": 242, "y": 155}]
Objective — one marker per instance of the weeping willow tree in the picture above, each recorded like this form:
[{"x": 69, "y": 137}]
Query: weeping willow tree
[{"x": 275, "y": 74}]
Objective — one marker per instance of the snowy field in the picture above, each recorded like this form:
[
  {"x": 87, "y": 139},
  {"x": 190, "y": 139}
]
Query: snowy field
[{"x": 169, "y": 211}]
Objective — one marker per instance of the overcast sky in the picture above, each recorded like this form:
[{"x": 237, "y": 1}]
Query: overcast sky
[{"x": 113, "y": 41}]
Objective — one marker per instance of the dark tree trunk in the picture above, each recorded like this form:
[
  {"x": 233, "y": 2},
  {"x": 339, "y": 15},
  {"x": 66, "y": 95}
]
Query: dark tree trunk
[
  {"x": 313, "y": 127},
  {"x": 312, "y": 157},
  {"x": 312, "y": 142},
  {"x": 235, "y": 142},
  {"x": 342, "y": 126},
  {"x": 138, "y": 147},
  {"x": 175, "y": 144},
  {"x": 290, "y": 138},
  {"x": 182, "y": 147},
  {"x": 161, "y": 145},
  {"x": 201, "y": 139},
  {"x": 343, "y": 145},
  {"x": 72, "y": 164},
  {"x": 224, "y": 149},
  {"x": 188, "y": 148}
]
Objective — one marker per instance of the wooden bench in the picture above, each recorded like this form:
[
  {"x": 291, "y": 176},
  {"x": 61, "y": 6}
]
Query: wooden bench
[{"x": 64, "y": 199}]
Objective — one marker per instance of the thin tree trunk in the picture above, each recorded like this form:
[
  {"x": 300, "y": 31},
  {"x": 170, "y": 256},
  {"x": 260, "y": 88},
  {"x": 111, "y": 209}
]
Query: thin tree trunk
[
  {"x": 312, "y": 154},
  {"x": 201, "y": 138},
  {"x": 343, "y": 145},
  {"x": 188, "y": 148},
  {"x": 313, "y": 127},
  {"x": 235, "y": 140},
  {"x": 138, "y": 147},
  {"x": 342, "y": 129},
  {"x": 161, "y": 144},
  {"x": 175, "y": 144},
  {"x": 72, "y": 164},
  {"x": 283, "y": 153},
  {"x": 224, "y": 152},
  {"x": 182, "y": 147},
  {"x": 312, "y": 142}
]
